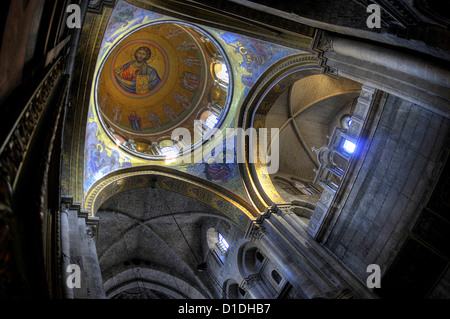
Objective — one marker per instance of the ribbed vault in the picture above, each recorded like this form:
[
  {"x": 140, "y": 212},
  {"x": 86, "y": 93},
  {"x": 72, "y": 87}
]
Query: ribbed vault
[{"x": 150, "y": 242}]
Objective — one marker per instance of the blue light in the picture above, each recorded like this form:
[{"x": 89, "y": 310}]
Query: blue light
[{"x": 349, "y": 147}]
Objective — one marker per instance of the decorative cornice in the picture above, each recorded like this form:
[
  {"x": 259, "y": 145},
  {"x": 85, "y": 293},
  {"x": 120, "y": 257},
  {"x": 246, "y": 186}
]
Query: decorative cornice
[
  {"x": 91, "y": 231},
  {"x": 325, "y": 43},
  {"x": 234, "y": 17},
  {"x": 322, "y": 43},
  {"x": 14, "y": 148},
  {"x": 251, "y": 281},
  {"x": 92, "y": 223},
  {"x": 97, "y": 6}
]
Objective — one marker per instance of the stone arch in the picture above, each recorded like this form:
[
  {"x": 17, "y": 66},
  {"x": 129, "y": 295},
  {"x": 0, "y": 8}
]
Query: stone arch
[
  {"x": 258, "y": 103},
  {"x": 127, "y": 280},
  {"x": 232, "y": 290},
  {"x": 283, "y": 78},
  {"x": 250, "y": 259},
  {"x": 219, "y": 198}
]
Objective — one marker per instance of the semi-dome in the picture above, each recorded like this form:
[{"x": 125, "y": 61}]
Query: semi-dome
[{"x": 160, "y": 77}]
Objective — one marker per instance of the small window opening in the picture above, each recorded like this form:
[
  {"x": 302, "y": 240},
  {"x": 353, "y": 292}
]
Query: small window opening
[
  {"x": 259, "y": 256},
  {"x": 168, "y": 150},
  {"x": 211, "y": 121},
  {"x": 222, "y": 244},
  {"x": 276, "y": 276},
  {"x": 349, "y": 147}
]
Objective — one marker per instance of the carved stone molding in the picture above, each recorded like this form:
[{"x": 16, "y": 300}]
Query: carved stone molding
[
  {"x": 256, "y": 232},
  {"x": 13, "y": 149},
  {"x": 256, "y": 229},
  {"x": 284, "y": 210},
  {"x": 65, "y": 207},
  {"x": 97, "y": 6},
  {"x": 250, "y": 282},
  {"x": 323, "y": 42},
  {"x": 68, "y": 206},
  {"x": 327, "y": 202}
]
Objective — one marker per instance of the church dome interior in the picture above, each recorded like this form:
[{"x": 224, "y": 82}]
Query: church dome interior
[
  {"x": 181, "y": 79},
  {"x": 224, "y": 150}
]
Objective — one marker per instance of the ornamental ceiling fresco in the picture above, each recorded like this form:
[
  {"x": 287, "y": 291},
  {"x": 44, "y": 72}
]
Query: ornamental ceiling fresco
[
  {"x": 155, "y": 73},
  {"x": 156, "y": 79}
]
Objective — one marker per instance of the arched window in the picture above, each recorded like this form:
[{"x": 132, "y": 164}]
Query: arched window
[
  {"x": 276, "y": 276},
  {"x": 221, "y": 72},
  {"x": 211, "y": 121},
  {"x": 234, "y": 291},
  {"x": 222, "y": 244}
]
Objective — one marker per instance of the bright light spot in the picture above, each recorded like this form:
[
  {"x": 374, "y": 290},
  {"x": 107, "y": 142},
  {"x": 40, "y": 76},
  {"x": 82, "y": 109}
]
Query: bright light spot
[
  {"x": 170, "y": 160},
  {"x": 168, "y": 150},
  {"x": 350, "y": 122},
  {"x": 211, "y": 121},
  {"x": 349, "y": 147},
  {"x": 223, "y": 244},
  {"x": 223, "y": 74}
]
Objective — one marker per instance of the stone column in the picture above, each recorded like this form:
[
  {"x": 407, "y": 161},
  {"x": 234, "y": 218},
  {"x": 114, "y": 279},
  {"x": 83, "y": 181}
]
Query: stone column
[
  {"x": 396, "y": 60},
  {"x": 312, "y": 271},
  {"x": 78, "y": 233},
  {"x": 277, "y": 248},
  {"x": 424, "y": 81},
  {"x": 65, "y": 248},
  {"x": 329, "y": 265},
  {"x": 95, "y": 275}
]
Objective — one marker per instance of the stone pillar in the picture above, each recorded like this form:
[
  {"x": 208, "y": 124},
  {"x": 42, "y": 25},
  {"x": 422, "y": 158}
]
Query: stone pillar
[
  {"x": 78, "y": 233},
  {"x": 340, "y": 277},
  {"x": 392, "y": 59},
  {"x": 95, "y": 275},
  {"x": 312, "y": 271},
  {"x": 65, "y": 248},
  {"x": 278, "y": 248}
]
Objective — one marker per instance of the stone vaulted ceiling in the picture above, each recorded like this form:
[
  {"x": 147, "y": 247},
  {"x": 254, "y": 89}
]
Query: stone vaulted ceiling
[{"x": 150, "y": 242}]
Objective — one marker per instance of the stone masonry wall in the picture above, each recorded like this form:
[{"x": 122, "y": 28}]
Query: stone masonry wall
[{"x": 394, "y": 183}]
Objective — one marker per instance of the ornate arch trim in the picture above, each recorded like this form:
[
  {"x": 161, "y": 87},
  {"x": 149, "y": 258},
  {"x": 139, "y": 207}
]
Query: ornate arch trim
[
  {"x": 256, "y": 106},
  {"x": 219, "y": 198}
]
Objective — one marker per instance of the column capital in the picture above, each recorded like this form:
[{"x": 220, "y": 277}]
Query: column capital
[
  {"x": 325, "y": 42},
  {"x": 91, "y": 231},
  {"x": 92, "y": 227},
  {"x": 251, "y": 281},
  {"x": 255, "y": 231}
]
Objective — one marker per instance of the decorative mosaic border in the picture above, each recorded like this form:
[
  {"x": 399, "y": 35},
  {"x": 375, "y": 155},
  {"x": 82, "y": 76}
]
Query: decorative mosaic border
[{"x": 208, "y": 193}]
